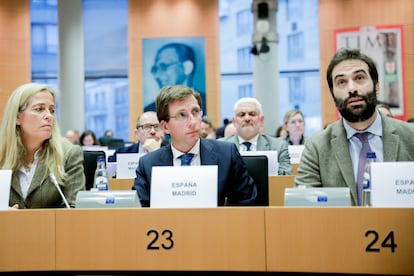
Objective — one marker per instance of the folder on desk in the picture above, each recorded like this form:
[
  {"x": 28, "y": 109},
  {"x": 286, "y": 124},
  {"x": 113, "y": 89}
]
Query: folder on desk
[
  {"x": 107, "y": 199},
  {"x": 325, "y": 196}
]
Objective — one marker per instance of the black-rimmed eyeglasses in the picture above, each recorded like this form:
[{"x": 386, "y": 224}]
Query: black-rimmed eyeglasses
[
  {"x": 148, "y": 127},
  {"x": 183, "y": 116},
  {"x": 162, "y": 67}
]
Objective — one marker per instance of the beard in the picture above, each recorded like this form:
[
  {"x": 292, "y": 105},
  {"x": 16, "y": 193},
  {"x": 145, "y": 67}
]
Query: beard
[{"x": 358, "y": 113}]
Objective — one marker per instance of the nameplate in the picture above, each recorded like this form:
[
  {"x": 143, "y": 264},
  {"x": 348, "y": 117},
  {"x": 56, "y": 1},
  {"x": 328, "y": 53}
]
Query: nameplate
[
  {"x": 184, "y": 187},
  {"x": 295, "y": 153},
  {"x": 126, "y": 165},
  {"x": 392, "y": 184},
  {"x": 5, "y": 182},
  {"x": 273, "y": 164}
]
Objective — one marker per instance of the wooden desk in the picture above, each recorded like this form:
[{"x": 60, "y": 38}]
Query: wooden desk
[
  {"x": 218, "y": 239},
  {"x": 121, "y": 183},
  {"x": 277, "y": 185},
  {"x": 257, "y": 239},
  {"x": 295, "y": 167},
  {"x": 27, "y": 240},
  {"x": 335, "y": 240}
]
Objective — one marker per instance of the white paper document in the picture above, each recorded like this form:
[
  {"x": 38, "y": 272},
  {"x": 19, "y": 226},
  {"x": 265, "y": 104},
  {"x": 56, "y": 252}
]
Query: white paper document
[
  {"x": 184, "y": 187},
  {"x": 295, "y": 153},
  {"x": 392, "y": 184},
  {"x": 126, "y": 164},
  {"x": 271, "y": 159},
  {"x": 5, "y": 183}
]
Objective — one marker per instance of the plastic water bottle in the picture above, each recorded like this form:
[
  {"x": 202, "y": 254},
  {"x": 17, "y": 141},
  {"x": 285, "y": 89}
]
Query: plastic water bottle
[
  {"x": 366, "y": 184},
  {"x": 101, "y": 176}
]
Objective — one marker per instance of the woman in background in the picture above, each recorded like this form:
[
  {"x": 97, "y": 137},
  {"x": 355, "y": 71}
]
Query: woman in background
[
  {"x": 32, "y": 147},
  {"x": 88, "y": 138},
  {"x": 294, "y": 125}
]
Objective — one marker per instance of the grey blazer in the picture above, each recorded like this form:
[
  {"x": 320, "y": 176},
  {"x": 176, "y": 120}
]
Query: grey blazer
[
  {"x": 42, "y": 192},
  {"x": 267, "y": 142},
  {"x": 326, "y": 161}
]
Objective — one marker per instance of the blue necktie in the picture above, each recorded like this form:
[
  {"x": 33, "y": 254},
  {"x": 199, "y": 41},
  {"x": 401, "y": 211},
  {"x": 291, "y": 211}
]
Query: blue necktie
[
  {"x": 363, "y": 137},
  {"x": 186, "y": 159},
  {"x": 248, "y": 145}
]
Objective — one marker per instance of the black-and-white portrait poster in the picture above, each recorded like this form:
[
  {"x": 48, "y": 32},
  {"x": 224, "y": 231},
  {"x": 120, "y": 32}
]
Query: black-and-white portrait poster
[{"x": 170, "y": 61}]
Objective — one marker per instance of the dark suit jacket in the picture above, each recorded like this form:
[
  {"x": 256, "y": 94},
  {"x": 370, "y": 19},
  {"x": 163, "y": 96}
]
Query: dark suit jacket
[
  {"x": 326, "y": 161},
  {"x": 235, "y": 186}
]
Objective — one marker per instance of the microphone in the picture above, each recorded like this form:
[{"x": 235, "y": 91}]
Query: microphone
[{"x": 53, "y": 178}]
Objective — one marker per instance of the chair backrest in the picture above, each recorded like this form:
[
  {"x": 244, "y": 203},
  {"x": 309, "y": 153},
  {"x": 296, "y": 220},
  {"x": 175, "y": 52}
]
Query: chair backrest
[
  {"x": 89, "y": 166},
  {"x": 115, "y": 143},
  {"x": 257, "y": 165}
]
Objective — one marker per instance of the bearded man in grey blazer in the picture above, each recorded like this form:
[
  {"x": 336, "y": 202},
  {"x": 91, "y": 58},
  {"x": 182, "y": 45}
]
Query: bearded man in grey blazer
[
  {"x": 248, "y": 120},
  {"x": 330, "y": 157}
]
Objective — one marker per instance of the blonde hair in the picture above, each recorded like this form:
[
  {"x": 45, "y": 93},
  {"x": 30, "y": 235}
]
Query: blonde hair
[
  {"x": 290, "y": 114},
  {"x": 12, "y": 151}
]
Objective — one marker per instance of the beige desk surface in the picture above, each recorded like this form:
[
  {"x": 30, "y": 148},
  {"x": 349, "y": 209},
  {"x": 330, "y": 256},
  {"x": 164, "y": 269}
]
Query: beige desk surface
[
  {"x": 27, "y": 240},
  {"x": 273, "y": 239},
  {"x": 121, "y": 183},
  {"x": 331, "y": 240},
  {"x": 229, "y": 239},
  {"x": 277, "y": 185},
  {"x": 295, "y": 167}
]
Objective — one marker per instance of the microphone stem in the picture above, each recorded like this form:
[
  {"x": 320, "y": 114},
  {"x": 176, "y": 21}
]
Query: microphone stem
[{"x": 53, "y": 178}]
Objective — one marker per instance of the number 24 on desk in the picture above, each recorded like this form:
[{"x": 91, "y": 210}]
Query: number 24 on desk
[{"x": 375, "y": 240}]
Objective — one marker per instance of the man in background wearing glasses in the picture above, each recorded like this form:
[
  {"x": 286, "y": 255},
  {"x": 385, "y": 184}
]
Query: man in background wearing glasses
[
  {"x": 175, "y": 63},
  {"x": 149, "y": 136},
  {"x": 179, "y": 112}
]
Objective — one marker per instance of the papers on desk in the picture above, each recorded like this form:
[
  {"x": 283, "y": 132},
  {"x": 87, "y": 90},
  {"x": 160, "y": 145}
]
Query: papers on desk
[
  {"x": 272, "y": 159},
  {"x": 184, "y": 187},
  {"x": 127, "y": 163},
  {"x": 295, "y": 152},
  {"x": 392, "y": 184},
  {"x": 5, "y": 182}
]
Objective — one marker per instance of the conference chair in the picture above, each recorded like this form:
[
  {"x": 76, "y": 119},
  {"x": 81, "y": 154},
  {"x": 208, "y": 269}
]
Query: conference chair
[
  {"x": 115, "y": 143},
  {"x": 257, "y": 166},
  {"x": 89, "y": 166}
]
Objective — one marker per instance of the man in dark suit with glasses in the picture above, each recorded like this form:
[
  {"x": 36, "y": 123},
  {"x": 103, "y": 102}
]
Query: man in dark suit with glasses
[
  {"x": 149, "y": 136},
  {"x": 179, "y": 112}
]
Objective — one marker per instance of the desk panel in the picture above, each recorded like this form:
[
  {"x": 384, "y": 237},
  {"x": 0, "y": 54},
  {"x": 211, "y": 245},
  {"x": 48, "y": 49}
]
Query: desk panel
[
  {"x": 27, "y": 240},
  {"x": 121, "y": 183},
  {"x": 335, "y": 240},
  {"x": 295, "y": 167},
  {"x": 277, "y": 185},
  {"x": 226, "y": 239}
]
